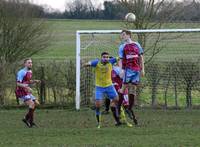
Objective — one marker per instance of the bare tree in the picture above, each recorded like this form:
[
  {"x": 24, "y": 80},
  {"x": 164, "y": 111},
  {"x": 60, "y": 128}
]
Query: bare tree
[
  {"x": 21, "y": 35},
  {"x": 154, "y": 77},
  {"x": 80, "y": 9},
  {"x": 149, "y": 15},
  {"x": 146, "y": 12},
  {"x": 190, "y": 77}
]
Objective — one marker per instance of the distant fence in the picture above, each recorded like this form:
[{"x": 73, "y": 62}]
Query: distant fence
[
  {"x": 166, "y": 85},
  {"x": 57, "y": 83}
]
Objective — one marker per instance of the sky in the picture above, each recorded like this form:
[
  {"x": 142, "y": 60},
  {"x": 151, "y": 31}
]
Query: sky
[{"x": 60, "y": 4}]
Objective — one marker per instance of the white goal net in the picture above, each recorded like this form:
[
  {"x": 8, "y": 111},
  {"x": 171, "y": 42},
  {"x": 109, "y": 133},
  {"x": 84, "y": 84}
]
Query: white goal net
[{"x": 172, "y": 62}]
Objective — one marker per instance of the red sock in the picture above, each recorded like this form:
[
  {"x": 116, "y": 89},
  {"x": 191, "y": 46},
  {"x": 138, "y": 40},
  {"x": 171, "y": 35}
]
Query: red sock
[
  {"x": 31, "y": 112},
  {"x": 131, "y": 100},
  {"x": 27, "y": 116},
  {"x": 120, "y": 101},
  {"x": 107, "y": 104},
  {"x": 115, "y": 114}
]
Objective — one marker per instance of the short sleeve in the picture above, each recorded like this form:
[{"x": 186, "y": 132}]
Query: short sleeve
[
  {"x": 94, "y": 63},
  {"x": 141, "y": 51},
  {"x": 117, "y": 70},
  {"x": 20, "y": 75},
  {"x": 121, "y": 51},
  {"x": 113, "y": 60}
]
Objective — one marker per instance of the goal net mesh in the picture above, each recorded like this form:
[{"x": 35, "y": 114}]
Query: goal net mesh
[{"x": 172, "y": 66}]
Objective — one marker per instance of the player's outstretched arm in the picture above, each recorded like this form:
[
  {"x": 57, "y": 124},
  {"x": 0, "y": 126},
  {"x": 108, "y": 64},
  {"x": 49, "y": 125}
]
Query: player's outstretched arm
[
  {"x": 86, "y": 64},
  {"x": 35, "y": 81}
]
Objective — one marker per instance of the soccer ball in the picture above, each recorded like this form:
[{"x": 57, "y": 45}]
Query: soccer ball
[{"x": 130, "y": 17}]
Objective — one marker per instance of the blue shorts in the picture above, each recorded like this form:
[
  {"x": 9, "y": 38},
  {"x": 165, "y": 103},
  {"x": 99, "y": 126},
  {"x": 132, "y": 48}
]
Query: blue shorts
[
  {"x": 27, "y": 97},
  {"x": 110, "y": 91},
  {"x": 131, "y": 76}
]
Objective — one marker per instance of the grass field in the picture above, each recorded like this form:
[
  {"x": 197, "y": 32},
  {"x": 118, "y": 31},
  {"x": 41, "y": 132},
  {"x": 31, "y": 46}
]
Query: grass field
[
  {"x": 64, "y": 33},
  {"x": 70, "y": 128}
]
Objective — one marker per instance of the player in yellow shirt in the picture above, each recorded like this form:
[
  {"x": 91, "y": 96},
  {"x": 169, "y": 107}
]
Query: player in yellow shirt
[{"x": 104, "y": 86}]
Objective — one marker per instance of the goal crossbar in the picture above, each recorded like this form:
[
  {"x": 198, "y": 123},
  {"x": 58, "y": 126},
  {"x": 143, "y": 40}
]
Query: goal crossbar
[{"x": 137, "y": 31}]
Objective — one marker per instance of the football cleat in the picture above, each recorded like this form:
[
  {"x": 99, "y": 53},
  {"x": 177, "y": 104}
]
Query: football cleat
[
  {"x": 27, "y": 123},
  {"x": 118, "y": 124},
  {"x": 98, "y": 126},
  {"x": 33, "y": 124},
  {"x": 135, "y": 121},
  {"x": 128, "y": 124}
]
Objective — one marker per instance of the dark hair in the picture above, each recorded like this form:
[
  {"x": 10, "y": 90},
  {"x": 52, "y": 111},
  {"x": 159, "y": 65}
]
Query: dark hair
[
  {"x": 104, "y": 53},
  {"x": 127, "y": 32},
  {"x": 26, "y": 59}
]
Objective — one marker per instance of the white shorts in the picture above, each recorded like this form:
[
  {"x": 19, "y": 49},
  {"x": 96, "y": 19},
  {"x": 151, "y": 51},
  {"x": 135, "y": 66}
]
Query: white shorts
[{"x": 27, "y": 97}]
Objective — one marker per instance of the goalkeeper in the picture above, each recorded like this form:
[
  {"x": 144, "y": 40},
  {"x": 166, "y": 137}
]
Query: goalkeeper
[{"x": 104, "y": 86}]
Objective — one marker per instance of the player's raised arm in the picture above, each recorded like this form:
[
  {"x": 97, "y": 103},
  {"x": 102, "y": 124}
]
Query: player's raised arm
[
  {"x": 113, "y": 60},
  {"x": 35, "y": 81},
  {"x": 92, "y": 63},
  {"x": 87, "y": 64}
]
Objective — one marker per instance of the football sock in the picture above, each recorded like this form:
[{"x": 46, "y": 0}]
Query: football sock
[
  {"x": 107, "y": 104},
  {"x": 98, "y": 113},
  {"x": 122, "y": 114},
  {"x": 120, "y": 102},
  {"x": 31, "y": 114},
  {"x": 27, "y": 116},
  {"x": 115, "y": 114},
  {"x": 131, "y": 100},
  {"x": 134, "y": 118}
]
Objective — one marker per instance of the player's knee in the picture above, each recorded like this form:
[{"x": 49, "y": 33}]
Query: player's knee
[
  {"x": 36, "y": 102},
  {"x": 32, "y": 105},
  {"x": 98, "y": 104},
  {"x": 113, "y": 103},
  {"x": 132, "y": 90}
]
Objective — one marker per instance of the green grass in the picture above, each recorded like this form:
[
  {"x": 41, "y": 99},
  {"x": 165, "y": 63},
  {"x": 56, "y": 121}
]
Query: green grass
[
  {"x": 146, "y": 97},
  {"x": 64, "y": 33},
  {"x": 63, "y": 46},
  {"x": 71, "y": 128}
]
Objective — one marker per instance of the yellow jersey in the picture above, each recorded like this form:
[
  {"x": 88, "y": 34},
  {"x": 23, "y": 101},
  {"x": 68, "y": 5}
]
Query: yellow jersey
[{"x": 103, "y": 72}]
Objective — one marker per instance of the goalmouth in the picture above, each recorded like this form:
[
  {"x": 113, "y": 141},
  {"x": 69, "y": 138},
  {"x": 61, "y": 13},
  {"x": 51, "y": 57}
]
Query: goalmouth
[{"x": 89, "y": 44}]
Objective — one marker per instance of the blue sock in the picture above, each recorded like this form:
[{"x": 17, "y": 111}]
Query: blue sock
[{"x": 98, "y": 113}]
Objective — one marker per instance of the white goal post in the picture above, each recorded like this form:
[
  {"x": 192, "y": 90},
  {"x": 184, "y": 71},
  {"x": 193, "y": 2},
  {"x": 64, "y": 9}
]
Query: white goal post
[{"x": 79, "y": 33}]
